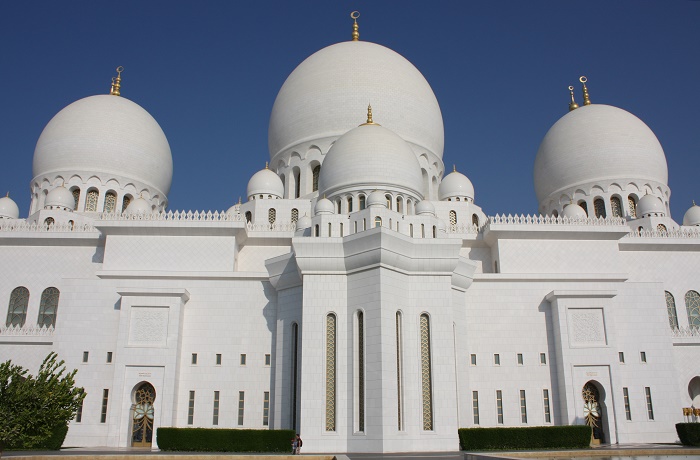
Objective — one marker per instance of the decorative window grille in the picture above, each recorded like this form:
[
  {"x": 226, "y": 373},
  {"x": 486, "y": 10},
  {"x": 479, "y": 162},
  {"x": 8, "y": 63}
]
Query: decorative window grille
[
  {"x": 523, "y": 407},
  {"x": 17, "y": 309},
  {"x": 190, "y": 409},
  {"x": 453, "y": 218},
  {"x": 266, "y": 408},
  {"x": 626, "y": 397},
  {"x": 661, "y": 228},
  {"x": 547, "y": 410},
  {"x": 671, "y": 310},
  {"x": 650, "y": 407},
  {"x": 599, "y": 206},
  {"x": 399, "y": 371},
  {"x": 126, "y": 202},
  {"x": 330, "y": 371},
  {"x": 76, "y": 198},
  {"x": 426, "y": 373},
  {"x": 316, "y": 172},
  {"x": 362, "y": 202},
  {"x": 633, "y": 206},
  {"x": 241, "y": 407},
  {"x": 48, "y": 307},
  {"x": 692, "y": 304},
  {"x": 475, "y": 406},
  {"x": 215, "y": 414},
  {"x": 499, "y": 406},
  {"x": 475, "y": 220},
  {"x": 105, "y": 402},
  {"x": 377, "y": 221},
  {"x": 361, "y": 371},
  {"x": 295, "y": 215},
  {"x": 584, "y": 205},
  {"x": 49, "y": 222},
  {"x": 616, "y": 207},
  {"x": 91, "y": 200},
  {"x": 271, "y": 215},
  {"x": 110, "y": 202}
]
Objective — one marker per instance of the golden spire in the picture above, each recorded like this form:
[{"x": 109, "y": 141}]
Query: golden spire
[
  {"x": 369, "y": 117},
  {"x": 117, "y": 82},
  {"x": 355, "y": 28},
  {"x": 454, "y": 168},
  {"x": 586, "y": 99},
  {"x": 572, "y": 105},
  {"x": 266, "y": 165}
]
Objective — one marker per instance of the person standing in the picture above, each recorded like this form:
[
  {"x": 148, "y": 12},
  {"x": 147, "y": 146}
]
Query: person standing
[{"x": 299, "y": 443}]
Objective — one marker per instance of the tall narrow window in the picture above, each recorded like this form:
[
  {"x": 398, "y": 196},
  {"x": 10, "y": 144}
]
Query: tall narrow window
[
  {"x": 266, "y": 408},
  {"x": 315, "y": 173},
  {"x": 472, "y": 359},
  {"x": 297, "y": 185},
  {"x": 643, "y": 356},
  {"x": 520, "y": 359},
  {"x": 475, "y": 220},
  {"x": 248, "y": 216},
  {"x": 389, "y": 201},
  {"x": 48, "y": 307},
  {"x": 91, "y": 200},
  {"x": 295, "y": 372},
  {"x": 215, "y": 415},
  {"x": 126, "y": 202},
  {"x": 295, "y": 215},
  {"x": 632, "y": 205},
  {"x": 543, "y": 358},
  {"x": 399, "y": 361},
  {"x": 360, "y": 371},
  {"x": 547, "y": 411},
  {"x": 422, "y": 230},
  {"x": 17, "y": 309},
  {"x": 599, "y": 206},
  {"x": 426, "y": 372},
  {"x": 272, "y": 215},
  {"x": 616, "y": 207},
  {"x": 362, "y": 202},
  {"x": 190, "y": 409},
  {"x": 626, "y": 397},
  {"x": 496, "y": 359},
  {"x": 621, "y": 357},
  {"x": 110, "y": 202},
  {"x": 671, "y": 310},
  {"x": 584, "y": 205},
  {"x": 475, "y": 406},
  {"x": 218, "y": 359},
  {"x": 499, "y": 406},
  {"x": 410, "y": 230},
  {"x": 523, "y": 407},
  {"x": 105, "y": 401},
  {"x": 399, "y": 204},
  {"x": 349, "y": 204},
  {"x": 79, "y": 414},
  {"x": 76, "y": 198},
  {"x": 241, "y": 407},
  {"x": 692, "y": 304},
  {"x": 453, "y": 218},
  {"x": 109, "y": 357},
  {"x": 330, "y": 371},
  {"x": 650, "y": 407}
]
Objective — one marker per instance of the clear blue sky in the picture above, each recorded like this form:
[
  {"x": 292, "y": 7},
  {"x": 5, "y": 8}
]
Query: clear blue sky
[{"x": 209, "y": 73}]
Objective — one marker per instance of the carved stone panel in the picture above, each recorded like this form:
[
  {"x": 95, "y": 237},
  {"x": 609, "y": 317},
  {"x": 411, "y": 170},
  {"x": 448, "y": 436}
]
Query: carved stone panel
[{"x": 148, "y": 326}]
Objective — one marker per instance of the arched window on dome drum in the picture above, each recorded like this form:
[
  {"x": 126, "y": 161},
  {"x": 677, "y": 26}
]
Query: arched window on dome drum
[
  {"x": 615, "y": 207},
  {"x": 671, "y": 310},
  {"x": 284, "y": 184},
  {"x": 692, "y": 304},
  {"x": 453, "y": 218},
  {"x": 297, "y": 184},
  {"x": 399, "y": 204},
  {"x": 295, "y": 215},
  {"x": 248, "y": 216},
  {"x": 271, "y": 216},
  {"x": 389, "y": 201},
  {"x": 362, "y": 202},
  {"x": 599, "y": 206},
  {"x": 125, "y": 202},
  {"x": 110, "y": 202},
  {"x": 338, "y": 206},
  {"x": 632, "y": 205},
  {"x": 76, "y": 197},
  {"x": 17, "y": 309},
  {"x": 330, "y": 371},
  {"x": 661, "y": 228},
  {"x": 91, "y": 200},
  {"x": 377, "y": 221},
  {"x": 315, "y": 173},
  {"x": 426, "y": 373},
  {"x": 475, "y": 220},
  {"x": 349, "y": 204},
  {"x": 48, "y": 222},
  {"x": 48, "y": 307},
  {"x": 584, "y": 205}
]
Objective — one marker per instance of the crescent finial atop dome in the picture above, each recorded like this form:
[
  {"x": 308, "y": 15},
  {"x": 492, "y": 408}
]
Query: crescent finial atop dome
[
  {"x": 369, "y": 117},
  {"x": 355, "y": 28},
  {"x": 586, "y": 99},
  {"x": 117, "y": 82},
  {"x": 572, "y": 105}
]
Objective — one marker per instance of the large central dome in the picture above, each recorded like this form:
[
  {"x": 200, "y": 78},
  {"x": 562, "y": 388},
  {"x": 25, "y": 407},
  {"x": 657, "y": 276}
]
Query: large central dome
[{"x": 323, "y": 95}]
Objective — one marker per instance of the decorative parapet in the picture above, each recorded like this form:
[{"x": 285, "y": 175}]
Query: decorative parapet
[
  {"x": 23, "y": 226},
  {"x": 462, "y": 229},
  {"x": 686, "y": 332},
  {"x": 183, "y": 216},
  {"x": 276, "y": 227},
  {"x": 678, "y": 233},
  {"x": 551, "y": 220},
  {"x": 27, "y": 331}
]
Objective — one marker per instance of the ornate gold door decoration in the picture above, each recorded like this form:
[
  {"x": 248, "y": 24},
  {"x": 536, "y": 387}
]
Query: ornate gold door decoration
[
  {"x": 142, "y": 431},
  {"x": 591, "y": 411}
]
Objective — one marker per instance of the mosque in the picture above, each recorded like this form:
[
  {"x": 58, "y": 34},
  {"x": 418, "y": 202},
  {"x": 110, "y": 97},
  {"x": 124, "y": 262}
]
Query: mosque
[{"x": 359, "y": 295}]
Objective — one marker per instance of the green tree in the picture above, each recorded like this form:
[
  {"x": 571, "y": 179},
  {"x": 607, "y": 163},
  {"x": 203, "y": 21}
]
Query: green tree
[{"x": 31, "y": 408}]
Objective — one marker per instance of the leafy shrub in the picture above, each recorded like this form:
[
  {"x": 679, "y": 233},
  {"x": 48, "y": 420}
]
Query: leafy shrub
[
  {"x": 689, "y": 433},
  {"x": 53, "y": 442},
  {"x": 536, "y": 437},
  {"x": 224, "y": 440}
]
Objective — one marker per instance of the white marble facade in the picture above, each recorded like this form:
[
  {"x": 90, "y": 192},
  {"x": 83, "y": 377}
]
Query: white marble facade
[{"x": 371, "y": 305}]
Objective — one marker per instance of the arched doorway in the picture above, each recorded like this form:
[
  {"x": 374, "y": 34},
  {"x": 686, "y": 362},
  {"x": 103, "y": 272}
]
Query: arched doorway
[
  {"x": 593, "y": 412},
  {"x": 142, "y": 415},
  {"x": 694, "y": 392}
]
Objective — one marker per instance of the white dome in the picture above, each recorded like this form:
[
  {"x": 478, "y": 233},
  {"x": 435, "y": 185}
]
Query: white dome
[
  {"x": 595, "y": 143},
  {"x": 60, "y": 197},
  {"x": 574, "y": 211},
  {"x": 304, "y": 222},
  {"x": 8, "y": 208},
  {"x": 456, "y": 185},
  {"x": 425, "y": 207},
  {"x": 692, "y": 216},
  {"x": 324, "y": 206},
  {"x": 265, "y": 182},
  {"x": 650, "y": 205},
  {"x": 138, "y": 206},
  {"x": 376, "y": 198},
  {"x": 370, "y": 157},
  {"x": 105, "y": 136},
  {"x": 323, "y": 95}
]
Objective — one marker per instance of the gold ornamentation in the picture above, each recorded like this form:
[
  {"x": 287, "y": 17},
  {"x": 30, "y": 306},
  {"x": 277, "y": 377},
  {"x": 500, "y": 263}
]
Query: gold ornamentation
[
  {"x": 117, "y": 82},
  {"x": 355, "y": 28},
  {"x": 330, "y": 372},
  {"x": 586, "y": 99},
  {"x": 142, "y": 431},
  {"x": 426, "y": 377},
  {"x": 591, "y": 409},
  {"x": 572, "y": 105},
  {"x": 369, "y": 117}
]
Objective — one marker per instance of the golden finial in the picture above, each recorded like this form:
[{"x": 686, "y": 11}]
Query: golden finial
[
  {"x": 586, "y": 99},
  {"x": 239, "y": 200},
  {"x": 369, "y": 117},
  {"x": 8, "y": 196},
  {"x": 266, "y": 165},
  {"x": 117, "y": 82},
  {"x": 355, "y": 28},
  {"x": 454, "y": 168},
  {"x": 572, "y": 105}
]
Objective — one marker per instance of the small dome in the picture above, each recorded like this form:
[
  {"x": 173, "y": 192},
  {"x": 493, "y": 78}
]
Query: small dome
[
  {"x": 60, "y": 197},
  {"x": 456, "y": 185},
  {"x": 8, "y": 208},
  {"x": 138, "y": 206},
  {"x": 376, "y": 198},
  {"x": 574, "y": 211},
  {"x": 650, "y": 205},
  {"x": 692, "y": 216},
  {"x": 304, "y": 222},
  {"x": 425, "y": 207},
  {"x": 235, "y": 209},
  {"x": 265, "y": 182},
  {"x": 324, "y": 206}
]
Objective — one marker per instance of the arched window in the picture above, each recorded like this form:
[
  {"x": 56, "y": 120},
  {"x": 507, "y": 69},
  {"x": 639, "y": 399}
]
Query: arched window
[
  {"x": 297, "y": 184},
  {"x": 422, "y": 230},
  {"x": 337, "y": 206},
  {"x": 389, "y": 201},
  {"x": 616, "y": 207},
  {"x": 349, "y": 204},
  {"x": 360, "y": 349},
  {"x": 555, "y": 213},
  {"x": 399, "y": 204},
  {"x": 330, "y": 230},
  {"x": 409, "y": 206},
  {"x": 632, "y": 203},
  {"x": 426, "y": 372},
  {"x": 362, "y": 202},
  {"x": 17, "y": 309},
  {"x": 316, "y": 230},
  {"x": 584, "y": 205},
  {"x": 364, "y": 224},
  {"x": 110, "y": 202},
  {"x": 453, "y": 218},
  {"x": 640, "y": 229},
  {"x": 434, "y": 231},
  {"x": 692, "y": 304},
  {"x": 295, "y": 215},
  {"x": 91, "y": 200},
  {"x": 599, "y": 206},
  {"x": 410, "y": 230},
  {"x": 315, "y": 173},
  {"x": 248, "y": 216},
  {"x": 671, "y": 310},
  {"x": 48, "y": 307},
  {"x": 48, "y": 222},
  {"x": 661, "y": 228},
  {"x": 76, "y": 197},
  {"x": 272, "y": 216},
  {"x": 330, "y": 371},
  {"x": 126, "y": 202},
  {"x": 457, "y": 199},
  {"x": 377, "y": 221},
  {"x": 475, "y": 220},
  {"x": 399, "y": 369}
]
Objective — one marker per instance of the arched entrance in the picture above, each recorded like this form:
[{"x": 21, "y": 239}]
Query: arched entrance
[
  {"x": 694, "y": 392},
  {"x": 142, "y": 415},
  {"x": 593, "y": 412}
]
